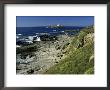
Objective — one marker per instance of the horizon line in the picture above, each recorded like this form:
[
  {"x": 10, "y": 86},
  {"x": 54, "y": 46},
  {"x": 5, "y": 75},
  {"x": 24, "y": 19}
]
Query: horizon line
[{"x": 63, "y": 25}]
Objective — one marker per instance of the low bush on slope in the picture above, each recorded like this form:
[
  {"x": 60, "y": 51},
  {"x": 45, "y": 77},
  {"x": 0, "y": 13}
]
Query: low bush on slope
[{"x": 80, "y": 55}]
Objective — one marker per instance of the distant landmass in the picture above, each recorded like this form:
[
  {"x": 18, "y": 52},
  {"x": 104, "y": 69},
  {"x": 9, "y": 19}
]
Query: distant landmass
[{"x": 51, "y": 29}]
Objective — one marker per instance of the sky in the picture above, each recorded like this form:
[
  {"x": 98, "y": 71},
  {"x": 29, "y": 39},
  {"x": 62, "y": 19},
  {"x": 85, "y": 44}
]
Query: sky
[{"x": 34, "y": 21}]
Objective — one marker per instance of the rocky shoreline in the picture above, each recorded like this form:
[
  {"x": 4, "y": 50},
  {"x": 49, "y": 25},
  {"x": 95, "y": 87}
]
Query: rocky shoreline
[
  {"x": 64, "y": 55},
  {"x": 49, "y": 54}
]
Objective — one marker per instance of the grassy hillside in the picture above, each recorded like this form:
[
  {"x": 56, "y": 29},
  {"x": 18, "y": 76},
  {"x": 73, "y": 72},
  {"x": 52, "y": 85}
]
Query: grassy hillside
[{"x": 79, "y": 55}]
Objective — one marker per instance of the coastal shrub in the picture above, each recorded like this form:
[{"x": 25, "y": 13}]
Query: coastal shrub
[
  {"x": 90, "y": 71},
  {"x": 71, "y": 31},
  {"x": 76, "y": 63},
  {"x": 78, "y": 41},
  {"x": 66, "y": 45},
  {"x": 25, "y": 51},
  {"x": 29, "y": 48},
  {"x": 78, "y": 60},
  {"x": 48, "y": 38},
  {"x": 88, "y": 30}
]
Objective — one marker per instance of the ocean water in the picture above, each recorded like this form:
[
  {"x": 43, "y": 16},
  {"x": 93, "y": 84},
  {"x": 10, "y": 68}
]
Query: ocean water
[{"x": 30, "y": 31}]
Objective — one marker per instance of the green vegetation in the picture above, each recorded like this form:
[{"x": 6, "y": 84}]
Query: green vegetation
[
  {"x": 27, "y": 50},
  {"x": 71, "y": 31},
  {"x": 48, "y": 38},
  {"x": 66, "y": 45},
  {"x": 90, "y": 71},
  {"x": 79, "y": 55}
]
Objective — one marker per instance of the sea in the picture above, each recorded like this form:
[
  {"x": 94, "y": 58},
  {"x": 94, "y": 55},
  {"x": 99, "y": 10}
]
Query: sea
[{"x": 31, "y": 31}]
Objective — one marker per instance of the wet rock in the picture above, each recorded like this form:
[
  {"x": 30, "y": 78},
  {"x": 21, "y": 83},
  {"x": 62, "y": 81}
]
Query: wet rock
[{"x": 31, "y": 71}]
